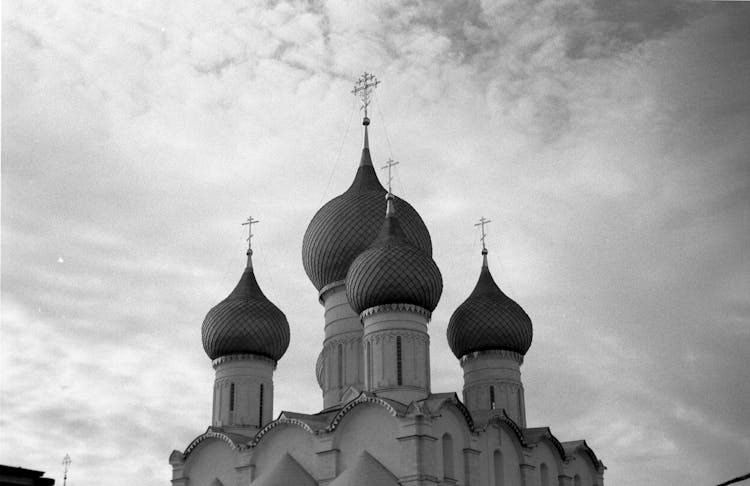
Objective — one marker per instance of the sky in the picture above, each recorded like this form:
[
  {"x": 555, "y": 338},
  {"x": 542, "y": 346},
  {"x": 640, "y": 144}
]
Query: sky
[{"x": 606, "y": 140}]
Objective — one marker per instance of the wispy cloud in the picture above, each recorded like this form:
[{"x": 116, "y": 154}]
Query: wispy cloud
[{"x": 606, "y": 140}]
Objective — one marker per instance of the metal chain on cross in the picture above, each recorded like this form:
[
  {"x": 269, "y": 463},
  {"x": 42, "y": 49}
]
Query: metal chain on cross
[
  {"x": 363, "y": 89},
  {"x": 482, "y": 222}
]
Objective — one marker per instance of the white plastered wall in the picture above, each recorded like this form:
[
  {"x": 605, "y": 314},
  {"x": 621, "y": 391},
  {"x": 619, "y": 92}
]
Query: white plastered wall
[
  {"x": 283, "y": 438},
  {"x": 368, "y": 427},
  {"x": 211, "y": 459},
  {"x": 498, "y": 437}
]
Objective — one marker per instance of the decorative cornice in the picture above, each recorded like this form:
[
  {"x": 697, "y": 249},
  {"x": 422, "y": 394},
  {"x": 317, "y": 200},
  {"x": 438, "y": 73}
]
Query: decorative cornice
[
  {"x": 242, "y": 357},
  {"x": 465, "y": 412},
  {"x": 279, "y": 421},
  {"x": 546, "y": 433},
  {"x": 359, "y": 401},
  {"x": 377, "y": 336},
  {"x": 396, "y": 308},
  {"x": 342, "y": 339},
  {"x": 211, "y": 434},
  {"x": 505, "y": 418},
  {"x": 502, "y": 385},
  {"x": 328, "y": 288},
  {"x": 492, "y": 353}
]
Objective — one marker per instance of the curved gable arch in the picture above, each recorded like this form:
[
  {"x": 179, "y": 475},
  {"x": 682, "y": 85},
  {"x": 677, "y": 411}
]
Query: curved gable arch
[
  {"x": 516, "y": 439},
  {"x": 557, "y": 452},
  {"x": 211, "y": 434},
  {"x": 276, "y": 423},
  {"x": 360, "y": 400},
  {"x": 587, "y": 451},
  {"x": 459, "y": 412}
]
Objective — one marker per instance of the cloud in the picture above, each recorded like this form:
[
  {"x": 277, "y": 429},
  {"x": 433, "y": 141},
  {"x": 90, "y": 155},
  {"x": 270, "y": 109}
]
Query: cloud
[{"x": 606, "y": 141}]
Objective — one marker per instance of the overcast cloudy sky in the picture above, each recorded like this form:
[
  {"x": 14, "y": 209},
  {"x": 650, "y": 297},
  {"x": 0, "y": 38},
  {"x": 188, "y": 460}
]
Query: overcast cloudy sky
[{"x": 608, "y": 142}]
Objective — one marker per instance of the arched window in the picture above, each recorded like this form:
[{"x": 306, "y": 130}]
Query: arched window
[
  {"x": 260, "y": 407},
  {"x": 231, "y": 397},
  {"x": 399, "y": 374},
  {"x": 497, "y": 459},
  {"x": 520, "y": 404},
  {"x": 369, "y": 366},
  {"x": 544, "y": 474},
  {"x": 341, "y": 364},
  {"x": 492, "y": 398},
  {"x": 448, "y": 456},
  {"x": 340, "y": 353},
  {"x": 577, "y": 480}
]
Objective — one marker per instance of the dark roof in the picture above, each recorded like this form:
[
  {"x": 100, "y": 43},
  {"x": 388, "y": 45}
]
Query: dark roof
[
  {"x": 573, "y": 446},
  {"x": 393, "y": 271},
  {"x": 536, "y": 434},
  {"x": 489, "y": 319},
  {"x": 346, "y": 225},
  {"x": 246, "y": 322},
  {"x": 19, "y": 475}
]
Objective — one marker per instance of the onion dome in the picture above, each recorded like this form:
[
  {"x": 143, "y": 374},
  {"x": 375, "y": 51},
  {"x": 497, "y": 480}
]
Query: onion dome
[
  {"x": 393, "y": 271},
  {"x": 489, "y": 319},
  {"x": 246, "y": 322},
  {"x": 346, "y": 225}
]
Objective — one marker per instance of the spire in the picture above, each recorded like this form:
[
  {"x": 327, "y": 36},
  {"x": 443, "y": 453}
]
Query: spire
[
  {"x": 363, "y": 89},
  {"x": 483, "y": 221},
  {"x": 389, "y": 211},
  {"x": 249, "y": 223}
]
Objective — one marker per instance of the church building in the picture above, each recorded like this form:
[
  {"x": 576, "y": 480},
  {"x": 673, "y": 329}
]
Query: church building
[{"x": 369, "y": 255}]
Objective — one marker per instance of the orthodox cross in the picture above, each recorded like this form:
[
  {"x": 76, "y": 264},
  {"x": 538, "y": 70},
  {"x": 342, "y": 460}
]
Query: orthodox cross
[
  {"x": 389, "y": 165},
  {"x": 363, "y": 89},
  {"x": 250, "y": 222},
  {"x": 66, "y": 462},
  {"x": 483, "y": 221}
]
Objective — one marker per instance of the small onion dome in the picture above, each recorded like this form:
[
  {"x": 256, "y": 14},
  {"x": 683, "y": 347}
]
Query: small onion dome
[
  {"x": 346, "y": 225},
  {"x": 393, "y": 271},
  {"x": 246, "y": 322},
  {"x": 489, "y": 319}
]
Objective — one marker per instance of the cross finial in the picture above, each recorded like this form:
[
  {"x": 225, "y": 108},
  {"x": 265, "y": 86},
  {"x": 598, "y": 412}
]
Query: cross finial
[
  {"x": 250, "y": 222},
  {"x": 389, "y": 165},
  {"x": 363, "y": 89},
  {"x": 66, "y": 462},
  {"x": 483, "y": 221}
]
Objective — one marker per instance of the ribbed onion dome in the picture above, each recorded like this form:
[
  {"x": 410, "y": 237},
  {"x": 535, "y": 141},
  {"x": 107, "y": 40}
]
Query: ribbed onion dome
[
  {"x": 393, "y": 271},
  {"x": 246, "y": 322},
  {"x": 489, "y": 319},
  {"x": 346, "y": 225}
]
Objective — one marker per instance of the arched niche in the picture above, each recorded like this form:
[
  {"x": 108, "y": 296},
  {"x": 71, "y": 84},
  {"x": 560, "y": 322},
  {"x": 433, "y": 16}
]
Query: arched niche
[
  {"x": 280, "y": 438},
  {"x": 368, "y": 426},
  {"x": 210, "y": 460}
]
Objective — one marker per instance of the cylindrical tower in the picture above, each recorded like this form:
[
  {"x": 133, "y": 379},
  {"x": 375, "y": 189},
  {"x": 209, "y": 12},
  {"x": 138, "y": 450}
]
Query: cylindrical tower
[
  {"x": 395, "y": 286},
  {"x": 490, "y": 334},
  {"x": 342, "y": 229},
  {"x": 244, "y": 335}
]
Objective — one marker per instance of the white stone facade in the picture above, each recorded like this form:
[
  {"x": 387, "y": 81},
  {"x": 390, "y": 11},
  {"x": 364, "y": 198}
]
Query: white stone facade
[
  {"x": 396, "y": 432},
  {"x": 381, "y": 424}
]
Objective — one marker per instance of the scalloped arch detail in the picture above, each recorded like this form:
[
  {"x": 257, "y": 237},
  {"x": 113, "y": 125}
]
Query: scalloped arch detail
[
  {"x": 359, "y": 401},
  {"x": 280, "y": 421},
  {"x": 461, "y": 408},
  {"x": 211, "y": 435}
]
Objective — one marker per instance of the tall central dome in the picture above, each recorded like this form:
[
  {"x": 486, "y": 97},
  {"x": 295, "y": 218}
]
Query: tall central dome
[{"x": 346, "y": 225}]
